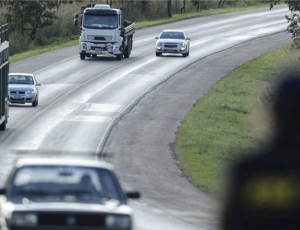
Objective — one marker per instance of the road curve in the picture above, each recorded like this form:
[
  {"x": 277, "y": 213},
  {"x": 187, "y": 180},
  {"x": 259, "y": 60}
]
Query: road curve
[
  {"x": 140, "y": 145},
  {"x": 123, "y": 112}
]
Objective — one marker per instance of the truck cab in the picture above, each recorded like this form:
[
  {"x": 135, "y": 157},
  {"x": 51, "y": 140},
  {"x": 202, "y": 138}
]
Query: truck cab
[{"x": 105, "y": 32}]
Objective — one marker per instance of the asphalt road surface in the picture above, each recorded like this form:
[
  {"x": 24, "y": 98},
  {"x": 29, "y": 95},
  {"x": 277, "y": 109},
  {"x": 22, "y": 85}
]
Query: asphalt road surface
[
  {"x": 143, "y": 137},
  {"x": 128, "y": 111}
]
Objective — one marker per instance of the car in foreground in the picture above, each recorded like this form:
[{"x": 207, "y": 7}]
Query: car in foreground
[
  {"x": 23, "y": 88},
  {"x": 172, "y": 41},
  {"x": 64, "y": 194}
]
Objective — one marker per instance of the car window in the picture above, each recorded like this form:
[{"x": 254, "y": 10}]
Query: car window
[
  {"x": 172, "y": 35},
  {"x": 20, "y": 79},
  {"x": 180, "y": 35},
  {"x": 165, "y": 35},
  {"x": 52, "y": 183}
]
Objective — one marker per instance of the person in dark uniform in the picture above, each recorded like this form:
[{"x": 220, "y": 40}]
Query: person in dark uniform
[{"x": 264, "y": 187}]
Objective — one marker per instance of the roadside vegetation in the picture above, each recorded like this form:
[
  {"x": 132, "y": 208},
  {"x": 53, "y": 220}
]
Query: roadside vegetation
[{"x": 230, "y": 120}]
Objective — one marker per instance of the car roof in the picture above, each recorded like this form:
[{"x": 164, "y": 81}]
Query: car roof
[
  {"x": 26, "y": 74},
  {"x": 173, "y": 31},
  {"x": 63, "y": 162}
]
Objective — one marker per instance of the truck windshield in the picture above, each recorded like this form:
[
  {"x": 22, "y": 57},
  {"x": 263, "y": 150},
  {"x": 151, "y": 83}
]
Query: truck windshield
[{"x": 100, "y": 21}]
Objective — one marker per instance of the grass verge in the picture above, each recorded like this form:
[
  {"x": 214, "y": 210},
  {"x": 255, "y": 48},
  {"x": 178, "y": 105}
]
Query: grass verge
[
  {"x": 219, "y": 127},
  {"x": 72, "y": 41}
]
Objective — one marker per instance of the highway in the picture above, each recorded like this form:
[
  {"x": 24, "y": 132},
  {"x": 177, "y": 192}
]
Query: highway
[{"x": 127, "y": 111}]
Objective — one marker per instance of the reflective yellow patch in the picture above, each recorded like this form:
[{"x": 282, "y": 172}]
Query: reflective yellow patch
[{"x": 270, "y": 191}]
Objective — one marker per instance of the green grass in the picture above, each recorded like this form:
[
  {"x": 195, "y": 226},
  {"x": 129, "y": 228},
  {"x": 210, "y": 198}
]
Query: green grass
[
  {"x": 72, "y": 41},
  {"x": 177, "y": 17},
  {"x": 39, "y": 50},
  {"x": 218, "y": 127}
]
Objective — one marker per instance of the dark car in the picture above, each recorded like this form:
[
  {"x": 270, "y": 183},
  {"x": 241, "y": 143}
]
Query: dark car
[{"x": 64, "y": 194}]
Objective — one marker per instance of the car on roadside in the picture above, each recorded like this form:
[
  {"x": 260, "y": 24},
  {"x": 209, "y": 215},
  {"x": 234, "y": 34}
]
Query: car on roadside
[
  {"x": 65, "y": 194},
  {"x": 23, "y": 88},
  {"x": 172, "y": 41}
]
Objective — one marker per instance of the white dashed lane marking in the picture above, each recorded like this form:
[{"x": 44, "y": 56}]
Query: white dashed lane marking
[
  {"x": 80, "y": 118},
  {"x": 103, "y": 107}
]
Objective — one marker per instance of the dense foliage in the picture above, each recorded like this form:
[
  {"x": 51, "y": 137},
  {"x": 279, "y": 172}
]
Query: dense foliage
[
  {"x": 293, "y": 19},
  {"x": 26, "y": 17}
]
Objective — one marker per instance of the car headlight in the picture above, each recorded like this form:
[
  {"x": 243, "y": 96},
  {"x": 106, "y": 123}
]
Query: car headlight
[
  {"x": 84, "y": 46},
  {"x": 159, "y": 44},
  {"x": 118, "y": 222},
  {"x": 90, "y": 37},
  {"x": 24, "y": 219},
  {"x": 33, "y": 91},
  {"x": 183, "y": 44}
]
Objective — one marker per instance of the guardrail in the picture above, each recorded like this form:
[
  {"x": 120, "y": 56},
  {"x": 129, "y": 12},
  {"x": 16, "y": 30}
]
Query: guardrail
[{"x": 4, "y": 33}]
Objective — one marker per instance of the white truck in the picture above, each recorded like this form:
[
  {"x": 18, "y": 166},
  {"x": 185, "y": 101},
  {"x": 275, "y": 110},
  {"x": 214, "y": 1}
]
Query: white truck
[
  {"x": 4, "y": 69},
  {"x": 104, "y": 31}
]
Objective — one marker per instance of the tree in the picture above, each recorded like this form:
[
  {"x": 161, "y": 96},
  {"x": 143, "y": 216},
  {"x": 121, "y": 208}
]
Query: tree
[
  {"x": 169, "y": 2},
  {"x": 29, "y": 16},
  {"x": 293, "y": 20},
  {"x": 200, "y": 5},
  {"x": 182, "y": 10}
]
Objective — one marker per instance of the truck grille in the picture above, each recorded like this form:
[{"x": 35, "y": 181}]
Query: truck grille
[{"x": 99, "y": 38}]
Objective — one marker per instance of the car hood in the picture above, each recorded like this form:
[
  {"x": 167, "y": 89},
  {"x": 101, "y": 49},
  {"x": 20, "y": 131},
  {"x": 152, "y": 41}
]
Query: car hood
[
  {"x": 171, "y": 40},
  {"x": 109, "y": 207},
  {"x": 18, "y": 87}
]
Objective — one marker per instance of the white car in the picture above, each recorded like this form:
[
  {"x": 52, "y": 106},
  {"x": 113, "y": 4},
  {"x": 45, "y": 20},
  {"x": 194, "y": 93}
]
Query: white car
[
  {"x": 23, "y": 88},
  {"x": 64, "y": 194},
  {"x": 172, "y": 41}
]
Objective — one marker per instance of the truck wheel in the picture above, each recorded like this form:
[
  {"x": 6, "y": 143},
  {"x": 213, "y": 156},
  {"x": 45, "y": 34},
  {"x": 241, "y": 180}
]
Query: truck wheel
[
  {"x": 82, "y": 56},
  {"x": 119, "y": 56},
  {"x": 128, "y": 49},
  {"x": 3, "y": 125},
  {"x": 127, "y": 52}
]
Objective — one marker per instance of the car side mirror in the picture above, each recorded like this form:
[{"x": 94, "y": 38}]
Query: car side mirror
[
  {"x": 133, "y": 195},
  {"x": 156, "y": 37},
  {"x": 188, "y": 39},
  {"x": 38, "y": 84}
]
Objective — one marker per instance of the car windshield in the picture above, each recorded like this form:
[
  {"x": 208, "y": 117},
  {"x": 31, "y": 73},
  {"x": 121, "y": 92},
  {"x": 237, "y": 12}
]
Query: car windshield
[
  {"x": 20, "y": 79},
  {"x": 172, "y": 35},
  {"x": 63, "y": 184},
  {"x": 100, "y": 21}
]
